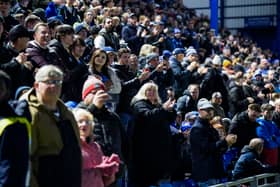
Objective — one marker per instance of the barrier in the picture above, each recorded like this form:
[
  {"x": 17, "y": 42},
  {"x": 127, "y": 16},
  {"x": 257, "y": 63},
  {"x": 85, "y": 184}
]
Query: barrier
[{"x": 262, "y": 180}]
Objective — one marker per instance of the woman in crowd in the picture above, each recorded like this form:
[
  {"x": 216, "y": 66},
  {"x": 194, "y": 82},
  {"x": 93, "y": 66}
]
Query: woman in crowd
[
  {"x": 151, "y": 157},
  {"x": 100, "y": 68},
  {"x": 98, "y": 170}
]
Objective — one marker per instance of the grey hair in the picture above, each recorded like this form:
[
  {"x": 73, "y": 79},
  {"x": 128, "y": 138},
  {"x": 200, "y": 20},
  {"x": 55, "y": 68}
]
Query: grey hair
[{"x": 48, "y": 71}]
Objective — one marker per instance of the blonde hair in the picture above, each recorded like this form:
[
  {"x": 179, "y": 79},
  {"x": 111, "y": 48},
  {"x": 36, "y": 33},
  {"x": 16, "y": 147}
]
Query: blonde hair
[
  {"x": 77, "y": 112},
  {"x": 141, "y": 94},
  {"x": 146, "y": 49},
  {"x": 256, "y": 144}
]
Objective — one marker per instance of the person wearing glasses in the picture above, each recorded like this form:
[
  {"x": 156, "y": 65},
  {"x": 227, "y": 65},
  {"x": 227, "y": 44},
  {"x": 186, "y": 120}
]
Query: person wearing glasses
[
  {"x": 55, "y": 150},
  {"x": 207, "y": 147}
]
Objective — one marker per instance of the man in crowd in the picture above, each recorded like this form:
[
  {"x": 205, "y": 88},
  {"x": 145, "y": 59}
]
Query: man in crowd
[
  {"x": 207, "y": 148},
  {"x": 55, "y": 155}
]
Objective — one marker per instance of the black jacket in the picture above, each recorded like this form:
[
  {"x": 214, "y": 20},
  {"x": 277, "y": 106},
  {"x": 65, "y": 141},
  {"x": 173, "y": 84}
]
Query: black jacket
[
  {"x": 243, "y": 128},
  {"x": 14, "y": 151},
  {"x": 207, "y": 151},
  {"x": 151, "y": 154},
  {"x": 186, "y": 103}
]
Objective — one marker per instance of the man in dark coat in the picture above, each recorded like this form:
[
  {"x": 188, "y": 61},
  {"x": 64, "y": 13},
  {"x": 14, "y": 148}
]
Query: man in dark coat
[
  {"x": 244, "y": 125},
  {"x": 207, "y": 148},
  {"x": 14, "y": 137}
]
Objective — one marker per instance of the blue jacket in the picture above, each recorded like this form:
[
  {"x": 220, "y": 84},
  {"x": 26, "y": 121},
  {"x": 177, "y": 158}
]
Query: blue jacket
[
  {"x": 249, "y": 164},
  {"x": 268, "y": 131}
]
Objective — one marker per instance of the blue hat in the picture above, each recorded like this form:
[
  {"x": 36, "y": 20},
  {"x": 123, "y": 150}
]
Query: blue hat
[
  {"x": 79, "y": 28},
  {"x": 166, "y": 53},
  {"x": 109, "y": 49},
  {"x": 20, "y": 91},
  {"x": 71, "y": 104},
  {"x": 177, "y": 51},
  {"x": 185, "y": 126}
]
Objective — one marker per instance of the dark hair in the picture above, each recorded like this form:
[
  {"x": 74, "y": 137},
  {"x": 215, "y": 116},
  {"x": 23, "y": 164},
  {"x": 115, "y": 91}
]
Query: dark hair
[
  {"x": 62, "y": 30},
  {"x": 254, "y": 107},
  {"x": 77, "y": 41},
  {"x": 5, "y": 80},
  {"x": 104, "y": 69},
  {"x": 122, "y": 51}
]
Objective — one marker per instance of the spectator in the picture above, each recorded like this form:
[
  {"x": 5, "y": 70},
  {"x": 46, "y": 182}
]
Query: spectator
[
  {"x": 207, "y": 148},
  {"x": 276, "y": 113},
  {"x": 132, "y": 35},
  {"x": 55, "y": 154},
  {"x": 188, "y": 102},
  {"x": 106, "y": 36},
  {"x": 99, "y": 66},
  {"x": 249, "y": 163},
  {"x": 268, "y": 131},
  {"x": 244, "y": 125},
  {"x": 98, "y": 170},
  {"x": 9, "y": 21},
  {"x": 14, "y": 61},
  {"x": 108, "y": 131},
  {"x": 216, "y": 101},
  {"x": 151, "y": 117},
  {"x": 14, "y": 137},
  {"x": 69, "y": 13}
]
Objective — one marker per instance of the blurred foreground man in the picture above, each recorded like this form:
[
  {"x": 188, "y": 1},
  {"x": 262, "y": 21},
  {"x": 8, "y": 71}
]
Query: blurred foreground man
[{"x": 55, "y": 154}]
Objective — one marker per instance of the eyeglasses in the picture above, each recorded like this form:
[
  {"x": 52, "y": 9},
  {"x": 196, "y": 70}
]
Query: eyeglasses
[
  {"x": 84, "y": 121},
  {"x": 54, "y": 82}
]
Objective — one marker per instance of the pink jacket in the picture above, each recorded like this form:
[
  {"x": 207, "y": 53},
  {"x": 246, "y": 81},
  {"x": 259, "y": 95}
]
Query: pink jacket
[{"x": 98, "y": 170}]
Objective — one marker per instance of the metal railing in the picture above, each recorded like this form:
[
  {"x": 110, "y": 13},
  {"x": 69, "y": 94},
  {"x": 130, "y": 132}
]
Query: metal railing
[{"x": 263, "y": 180}]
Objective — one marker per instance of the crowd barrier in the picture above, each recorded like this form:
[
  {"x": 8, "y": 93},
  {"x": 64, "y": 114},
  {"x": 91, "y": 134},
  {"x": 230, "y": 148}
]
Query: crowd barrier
[{"x": 263, "y": 180}]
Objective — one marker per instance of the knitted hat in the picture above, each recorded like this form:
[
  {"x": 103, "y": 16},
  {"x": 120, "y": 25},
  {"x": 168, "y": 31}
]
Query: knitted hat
[
  {"x": 191, "y": 51},
  {"x": 91, "y": 84}
]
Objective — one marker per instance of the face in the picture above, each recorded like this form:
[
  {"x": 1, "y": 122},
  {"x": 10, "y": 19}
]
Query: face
[
  {"x": 5, "y": 7},
  {"x": 124, "y": 59},
  {"x": 42, "y": 36},
  {"x": 193, "y": 57},
  {"x": 151, "y": 94},
  {"x": 268, "y": 114},
  {"x": 194, "y": 92},
  {"x": 277, "y": 107},
  {"x": 89, "y": 17},
  {"x": 83, "y": 34},
  {"x": 217, "y": 100},
  {"x": 1, "y": 29},
  {"x": 22, "y": 43},
  {"x": 253, "y": 115},
  {"x": 49, "y": 89},
  {"x": 207, "y": 114},
  {"x": 67, "y": 40},
  {"x": 100, "y": 59},
  {"x": 84, "y": 124},
  {"x": 180, "y": 57},
  {"x": 78, "y": 50},
  {"x": 108, "y": 25}
]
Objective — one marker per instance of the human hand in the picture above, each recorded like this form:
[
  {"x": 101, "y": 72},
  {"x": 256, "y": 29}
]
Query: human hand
[
  {"x": 100, "y": 98},
  {"x": 169, "y": 104},
  {"x": 144, "y": 75},
  {"x": 231, "y": 139}
]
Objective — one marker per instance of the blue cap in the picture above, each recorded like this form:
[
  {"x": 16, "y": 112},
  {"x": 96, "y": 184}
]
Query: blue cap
[
  {"x": 192, "y": 114},
  {"x": 109, "y": 49},
  {"x": 71, "y": 104},
  {"x": 166, "y": 53},
  {"x": 177, "y": 51}
]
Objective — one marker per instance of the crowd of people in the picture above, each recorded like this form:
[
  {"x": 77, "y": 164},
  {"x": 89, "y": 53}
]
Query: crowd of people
[{"x": 131, "y": 93}]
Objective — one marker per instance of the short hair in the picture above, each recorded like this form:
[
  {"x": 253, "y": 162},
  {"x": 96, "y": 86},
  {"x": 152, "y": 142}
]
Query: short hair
[
  {"x": 48, "y": 71},
  {"x": 256, "y": 144},
  {"x": 77, "y": 41},
  {"x": 267, "y": 107},
  {"x": 36, "y": 27},
  {"x": 123, "y": 50},
  {"x": 254, "y": 107},
  {"x": 31, "y": 18},
  {"x": 62, "y": 30}
]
